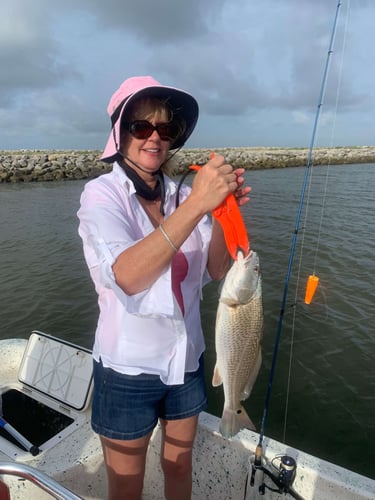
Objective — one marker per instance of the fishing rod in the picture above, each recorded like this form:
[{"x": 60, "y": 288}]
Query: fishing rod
[
  {"x": 312, "y": 283},
  {"x": 25, "y": 443},
  {"x": 33, "y": 449}
]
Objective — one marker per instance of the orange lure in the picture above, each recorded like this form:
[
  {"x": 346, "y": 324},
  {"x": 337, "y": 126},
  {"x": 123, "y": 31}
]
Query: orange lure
[{"x": 311, "y": 286}]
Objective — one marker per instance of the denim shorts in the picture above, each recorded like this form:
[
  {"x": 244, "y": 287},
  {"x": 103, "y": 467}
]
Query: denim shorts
[{"x": 129, "y": 406}]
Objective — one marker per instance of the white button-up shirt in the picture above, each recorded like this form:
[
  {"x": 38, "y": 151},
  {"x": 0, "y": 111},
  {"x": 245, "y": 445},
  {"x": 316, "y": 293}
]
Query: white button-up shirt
[{"x": 145, "y": 332}]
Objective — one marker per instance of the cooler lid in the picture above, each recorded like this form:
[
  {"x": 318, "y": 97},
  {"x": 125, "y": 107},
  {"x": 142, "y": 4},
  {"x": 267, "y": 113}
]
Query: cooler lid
[{"x": 58, "y": 369}]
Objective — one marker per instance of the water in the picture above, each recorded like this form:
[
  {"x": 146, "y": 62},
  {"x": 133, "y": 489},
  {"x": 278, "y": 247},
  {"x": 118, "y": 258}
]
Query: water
[{"x": 324, "y": 386}]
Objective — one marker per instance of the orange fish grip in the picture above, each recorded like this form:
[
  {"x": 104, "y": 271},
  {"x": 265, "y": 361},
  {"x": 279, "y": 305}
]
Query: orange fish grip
[{"x": 230, "y": 218}]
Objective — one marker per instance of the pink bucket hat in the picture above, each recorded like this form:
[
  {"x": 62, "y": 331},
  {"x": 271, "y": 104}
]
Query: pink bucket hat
[{"x": 183, "y": 105}]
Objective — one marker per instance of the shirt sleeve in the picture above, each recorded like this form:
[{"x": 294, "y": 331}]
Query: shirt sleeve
[{"x": 107, "y": 230}]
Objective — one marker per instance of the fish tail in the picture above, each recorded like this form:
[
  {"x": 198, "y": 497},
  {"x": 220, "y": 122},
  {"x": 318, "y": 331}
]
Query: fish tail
[{"x": 233, "y": 421}]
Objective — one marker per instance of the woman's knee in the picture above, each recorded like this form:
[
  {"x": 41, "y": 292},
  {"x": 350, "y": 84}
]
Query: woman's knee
[
  {"x": 177, "y": 446},
  {"x": 179, "y": 467},
  {"x": 125, "y": 465}
]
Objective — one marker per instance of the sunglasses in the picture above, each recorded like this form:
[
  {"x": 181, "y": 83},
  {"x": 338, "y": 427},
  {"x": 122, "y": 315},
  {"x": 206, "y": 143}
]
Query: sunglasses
[{"x": 142, "y": 129}]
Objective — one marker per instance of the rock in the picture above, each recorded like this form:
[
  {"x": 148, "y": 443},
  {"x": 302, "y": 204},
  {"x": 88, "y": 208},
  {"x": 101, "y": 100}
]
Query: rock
[{"x": 36, "y": 165}]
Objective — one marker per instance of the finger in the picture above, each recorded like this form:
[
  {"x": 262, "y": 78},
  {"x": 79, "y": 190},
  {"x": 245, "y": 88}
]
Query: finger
[
  {"x": 242, "y": 201},
  {"x": 246, "y": 189},
  {"x": 226, "y": 169},
  {"x": 217, "y": 161},
  {"x": 239, "y": 171},
  {"x": 241, "y": 195}
]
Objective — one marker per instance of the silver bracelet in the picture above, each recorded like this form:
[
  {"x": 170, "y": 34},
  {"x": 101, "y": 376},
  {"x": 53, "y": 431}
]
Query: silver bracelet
[{"x": 163, "y": 232}]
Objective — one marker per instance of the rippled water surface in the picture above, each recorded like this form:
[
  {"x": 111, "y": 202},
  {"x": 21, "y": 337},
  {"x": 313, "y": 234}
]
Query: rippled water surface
[{"x": 324, "y": 386}]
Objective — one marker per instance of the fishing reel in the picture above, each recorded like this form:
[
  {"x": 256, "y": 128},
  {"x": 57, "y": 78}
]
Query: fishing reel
[
  {"x": 282, "y": 475},
  {"x": 286, "y": 472}
]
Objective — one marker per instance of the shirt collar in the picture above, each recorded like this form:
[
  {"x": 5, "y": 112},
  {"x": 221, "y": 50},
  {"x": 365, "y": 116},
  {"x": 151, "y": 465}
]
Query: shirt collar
[{"x": 170, "y": 185}]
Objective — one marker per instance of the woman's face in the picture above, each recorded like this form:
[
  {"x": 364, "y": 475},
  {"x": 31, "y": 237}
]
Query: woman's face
[{"x": 151, "y": 152}]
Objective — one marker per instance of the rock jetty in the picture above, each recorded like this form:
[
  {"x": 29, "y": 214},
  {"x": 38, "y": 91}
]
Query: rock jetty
[{"x": 36, "y": 165}]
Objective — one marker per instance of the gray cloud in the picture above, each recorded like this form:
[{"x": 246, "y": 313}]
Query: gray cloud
[
  {"x": 242, "y": 59},
  {"x": 30, "y": 57},
  {"x": 159, "y": 22}
]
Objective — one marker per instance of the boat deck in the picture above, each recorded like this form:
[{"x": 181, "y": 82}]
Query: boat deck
[{"x": 220, "y": 465}]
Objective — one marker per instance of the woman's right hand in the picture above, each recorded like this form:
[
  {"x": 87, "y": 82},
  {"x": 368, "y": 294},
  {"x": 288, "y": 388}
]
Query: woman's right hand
[{"x": 213, "y": 183}]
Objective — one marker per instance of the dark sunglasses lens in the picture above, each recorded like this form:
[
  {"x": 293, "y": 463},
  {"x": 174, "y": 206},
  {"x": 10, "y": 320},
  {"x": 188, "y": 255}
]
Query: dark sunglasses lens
[
  {"x": 141, "y": 129},
  {"x": 167, "y": 131}
]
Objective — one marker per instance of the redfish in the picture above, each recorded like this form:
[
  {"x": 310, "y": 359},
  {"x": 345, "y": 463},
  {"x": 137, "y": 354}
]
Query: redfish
[{"x": 238, "y": 336}]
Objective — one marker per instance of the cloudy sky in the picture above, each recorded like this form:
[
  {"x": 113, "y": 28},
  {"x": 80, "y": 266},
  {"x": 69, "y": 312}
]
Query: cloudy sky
[{"x": 255, "y": 67}]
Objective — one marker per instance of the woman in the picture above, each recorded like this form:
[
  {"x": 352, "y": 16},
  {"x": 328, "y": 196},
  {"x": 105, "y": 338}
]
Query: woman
[{"x": 150, "y": 248}]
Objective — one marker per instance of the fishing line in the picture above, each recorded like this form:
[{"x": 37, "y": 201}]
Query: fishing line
[
  {"x": 338, "y": 92},
  {"x": 304, "y": 225},
  {"x": 297, "y": 224}
]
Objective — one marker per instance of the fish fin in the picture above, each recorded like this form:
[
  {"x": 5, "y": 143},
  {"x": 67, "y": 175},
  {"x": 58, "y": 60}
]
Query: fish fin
[
  {"x": 216, "y": 379},
  {"x": 233, "y": 421},
  {"x": 229, "y": 301},
  {"x": 254, "y": 374}
]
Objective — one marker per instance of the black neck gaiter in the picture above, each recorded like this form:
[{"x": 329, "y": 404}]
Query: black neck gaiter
[{"x": 143, "y": 189}]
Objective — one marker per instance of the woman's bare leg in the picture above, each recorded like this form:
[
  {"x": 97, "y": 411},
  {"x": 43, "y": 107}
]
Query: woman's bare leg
[
  {"x": 176, "y": 456},
  {"x": 125, "y": 463}
]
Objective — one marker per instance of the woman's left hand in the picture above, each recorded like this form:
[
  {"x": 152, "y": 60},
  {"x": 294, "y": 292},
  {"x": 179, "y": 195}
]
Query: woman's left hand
[{"x": 241, "y": 193}]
